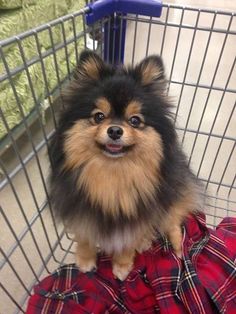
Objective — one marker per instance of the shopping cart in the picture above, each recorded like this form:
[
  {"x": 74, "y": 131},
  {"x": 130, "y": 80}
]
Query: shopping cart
[{"x": 198, "y": 48}]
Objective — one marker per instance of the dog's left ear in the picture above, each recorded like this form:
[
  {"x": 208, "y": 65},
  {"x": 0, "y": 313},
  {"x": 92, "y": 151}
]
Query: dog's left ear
[
  {"x": 90, "y": 67},
  {"x": 150, "y": 71}
]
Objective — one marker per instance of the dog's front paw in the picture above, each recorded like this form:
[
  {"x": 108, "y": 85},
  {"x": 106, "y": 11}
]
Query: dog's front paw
[
  {"x": 121, "y": 271},
  {"x": 122, "y": 264},
  {"x": 85, "y": 258},
  {"x": 86, "y": 265}
]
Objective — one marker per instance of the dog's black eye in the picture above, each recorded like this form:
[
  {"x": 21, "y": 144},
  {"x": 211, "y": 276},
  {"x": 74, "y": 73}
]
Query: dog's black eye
[
  {"x": 99, "y": 117},
  {"x": 135, "y": 121}
]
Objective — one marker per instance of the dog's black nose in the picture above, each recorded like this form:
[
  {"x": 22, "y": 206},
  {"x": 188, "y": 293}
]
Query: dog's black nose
[{"x": 115, "y": 132}]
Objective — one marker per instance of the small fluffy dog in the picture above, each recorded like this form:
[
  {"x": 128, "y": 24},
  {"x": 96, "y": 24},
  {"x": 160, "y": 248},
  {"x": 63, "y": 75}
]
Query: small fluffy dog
[{"x": 118, "y": 174}]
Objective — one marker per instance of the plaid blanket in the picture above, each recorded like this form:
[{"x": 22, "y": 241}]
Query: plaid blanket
[{"x": 203, "y": 281}]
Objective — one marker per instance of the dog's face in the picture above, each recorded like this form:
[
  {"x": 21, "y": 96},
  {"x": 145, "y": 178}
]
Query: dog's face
[
  {"x": 117, "y": 133},
  {"x": 115, "y": 114}
]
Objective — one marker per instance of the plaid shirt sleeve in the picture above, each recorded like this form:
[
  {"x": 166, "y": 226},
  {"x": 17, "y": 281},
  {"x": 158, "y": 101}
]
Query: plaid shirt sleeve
[{"x": 202, "y": 282}]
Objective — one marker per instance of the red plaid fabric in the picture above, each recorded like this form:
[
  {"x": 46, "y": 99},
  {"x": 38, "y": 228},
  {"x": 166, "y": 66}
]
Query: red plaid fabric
[{"x": 202, "y": 282}]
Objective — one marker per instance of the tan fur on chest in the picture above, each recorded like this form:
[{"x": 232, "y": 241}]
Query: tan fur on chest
[{"x": 117, "y": 186}]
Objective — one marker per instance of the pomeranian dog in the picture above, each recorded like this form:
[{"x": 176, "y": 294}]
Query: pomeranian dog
[{"x": 118, "y": 174}]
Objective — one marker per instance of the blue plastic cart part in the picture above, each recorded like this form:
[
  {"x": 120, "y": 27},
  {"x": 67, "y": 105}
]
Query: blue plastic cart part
[{"x": 102, "y": 8}]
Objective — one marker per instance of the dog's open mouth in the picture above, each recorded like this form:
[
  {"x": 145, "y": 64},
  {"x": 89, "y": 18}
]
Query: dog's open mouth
[{"x": 115, "y": 150}]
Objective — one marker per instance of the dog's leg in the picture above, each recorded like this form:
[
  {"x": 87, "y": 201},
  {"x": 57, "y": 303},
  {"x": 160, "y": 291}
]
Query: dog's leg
[
  {"x": 86, "y": 257},
  {"x": 171, "y": 228},
  {"x": 122, "y": 263},
  {"x": 175, "y": 236}
]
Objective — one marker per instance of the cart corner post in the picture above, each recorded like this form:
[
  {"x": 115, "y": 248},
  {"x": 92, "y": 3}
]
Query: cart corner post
[{"x": 115, "y": 27}]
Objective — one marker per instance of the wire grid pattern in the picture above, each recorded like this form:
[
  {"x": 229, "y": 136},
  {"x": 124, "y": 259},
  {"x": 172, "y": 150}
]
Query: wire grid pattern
[{"x": 199, "y": 54}]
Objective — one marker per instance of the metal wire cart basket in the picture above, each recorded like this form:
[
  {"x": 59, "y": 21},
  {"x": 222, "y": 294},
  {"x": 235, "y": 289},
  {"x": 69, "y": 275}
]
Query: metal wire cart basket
[{"x": 198, "y": 47}]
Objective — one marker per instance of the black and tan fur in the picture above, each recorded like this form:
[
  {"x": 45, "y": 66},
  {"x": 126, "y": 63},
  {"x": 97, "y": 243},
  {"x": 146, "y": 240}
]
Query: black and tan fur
[{"x": 119, "y": 203}]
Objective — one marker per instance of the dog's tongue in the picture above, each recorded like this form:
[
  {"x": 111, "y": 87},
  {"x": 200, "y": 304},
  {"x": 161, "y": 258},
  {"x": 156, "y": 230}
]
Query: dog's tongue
[{"x": 114, "y": 147}]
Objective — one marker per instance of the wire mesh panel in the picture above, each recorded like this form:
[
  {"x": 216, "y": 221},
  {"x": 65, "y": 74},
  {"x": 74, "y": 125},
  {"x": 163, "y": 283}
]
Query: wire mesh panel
[
  {"x": 198, "y": 48},
  {"x": 31, "y": 243}
]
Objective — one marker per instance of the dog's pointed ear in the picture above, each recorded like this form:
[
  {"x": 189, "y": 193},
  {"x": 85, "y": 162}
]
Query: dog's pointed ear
[
  {"x": 90, "y": 67},
  {"x": 150, "y": 71}
]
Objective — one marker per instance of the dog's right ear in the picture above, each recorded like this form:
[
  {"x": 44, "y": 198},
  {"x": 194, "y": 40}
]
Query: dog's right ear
[
  {"x": 90, "y": 67},
  {"x": 151, "y": 70}
]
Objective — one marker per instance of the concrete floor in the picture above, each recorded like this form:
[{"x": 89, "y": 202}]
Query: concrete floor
[{"x": 217, "y": 208}]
